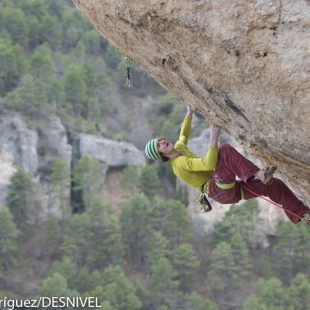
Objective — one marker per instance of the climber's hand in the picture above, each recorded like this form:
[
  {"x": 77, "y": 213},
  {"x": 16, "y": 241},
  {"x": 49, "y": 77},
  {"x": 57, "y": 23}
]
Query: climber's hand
[
  {"x": 214, "y": 135},
  {"x": 189, "y": 111}
]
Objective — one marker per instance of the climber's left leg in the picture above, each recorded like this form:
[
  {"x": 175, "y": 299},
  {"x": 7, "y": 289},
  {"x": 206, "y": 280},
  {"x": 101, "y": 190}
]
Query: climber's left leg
[{"x": 279, "y": 193}]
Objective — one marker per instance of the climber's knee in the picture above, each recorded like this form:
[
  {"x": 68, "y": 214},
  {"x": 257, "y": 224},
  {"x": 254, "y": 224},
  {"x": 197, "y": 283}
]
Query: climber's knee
[{"x": 225, "y": 147}]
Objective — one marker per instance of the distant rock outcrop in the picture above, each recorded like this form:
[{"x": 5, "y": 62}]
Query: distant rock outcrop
[
  {"x": 54, "y": 144},
  {"x": 35, "y": 150},
  {"x": 110, "y": 153},
  {"x": 55, "y": 139},
  {"x": 18, "y": 147},
  {"x": 245, "y": 65},
  {"x": 18, "y": 144},
  {"x": 21, "y": 146}
]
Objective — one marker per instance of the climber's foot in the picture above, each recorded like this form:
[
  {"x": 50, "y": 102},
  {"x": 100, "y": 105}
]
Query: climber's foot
[
  {"x": 306, "y": 218},
  {"x": 266, "y": 175}
]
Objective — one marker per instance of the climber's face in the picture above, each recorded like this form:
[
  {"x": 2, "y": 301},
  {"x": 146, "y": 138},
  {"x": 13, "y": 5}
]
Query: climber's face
[{"x": 164, "y": 146}]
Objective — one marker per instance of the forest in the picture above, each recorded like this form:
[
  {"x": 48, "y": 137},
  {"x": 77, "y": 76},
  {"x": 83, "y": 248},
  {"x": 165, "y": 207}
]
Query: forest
[{"x": 146, "y": 255}]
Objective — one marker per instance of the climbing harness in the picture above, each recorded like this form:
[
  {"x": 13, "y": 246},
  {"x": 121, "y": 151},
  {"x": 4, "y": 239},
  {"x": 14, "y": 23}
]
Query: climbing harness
[
  {"x": 203, "y": 201},
  {"x": 128, "y": 80},
  {"x": 229, "y": 186}
]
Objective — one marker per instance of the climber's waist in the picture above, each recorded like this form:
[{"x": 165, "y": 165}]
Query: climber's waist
[{"x": 205, "y": 186}]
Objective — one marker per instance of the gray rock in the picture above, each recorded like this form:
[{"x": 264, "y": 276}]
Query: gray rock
[
  {"x": 18, "y": 148},
  {"x": 112, "y": 153},
  {"x": 56, "y": 140},
  {"x": 243, "y": 64},
  {"x": 56, "y": 147},
  {"x": 18, "y": 144}
]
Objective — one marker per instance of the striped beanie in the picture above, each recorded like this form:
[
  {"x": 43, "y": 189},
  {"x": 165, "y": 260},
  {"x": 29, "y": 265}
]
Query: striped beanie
[{"x": 151, "y": 150}]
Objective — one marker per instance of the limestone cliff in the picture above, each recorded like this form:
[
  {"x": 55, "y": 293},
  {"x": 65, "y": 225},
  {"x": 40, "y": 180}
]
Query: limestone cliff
[
  {"x": 245, "y": 65},
  {"x": 35, "y": 149}
]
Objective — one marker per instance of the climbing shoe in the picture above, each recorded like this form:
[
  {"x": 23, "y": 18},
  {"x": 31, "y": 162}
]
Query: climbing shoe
[
  {"x": 269, "y": 174},
  {"x": 265, "y": 175},
  {"x": 306, "y": 218}
]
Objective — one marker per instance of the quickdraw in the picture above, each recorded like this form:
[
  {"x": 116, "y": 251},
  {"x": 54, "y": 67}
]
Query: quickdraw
[{"x": 128, "y": 80}]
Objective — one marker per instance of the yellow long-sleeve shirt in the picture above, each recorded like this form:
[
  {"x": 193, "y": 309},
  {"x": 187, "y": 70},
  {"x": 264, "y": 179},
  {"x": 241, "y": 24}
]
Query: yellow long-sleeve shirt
[{"x": 189, "y": 167}]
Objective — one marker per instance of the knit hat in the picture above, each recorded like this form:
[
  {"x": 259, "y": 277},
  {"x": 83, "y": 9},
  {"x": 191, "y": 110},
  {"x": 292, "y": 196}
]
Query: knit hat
[{"x": 151, "y": 150}]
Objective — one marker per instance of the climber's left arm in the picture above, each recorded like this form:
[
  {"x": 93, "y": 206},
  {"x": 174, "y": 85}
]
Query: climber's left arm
[{"x": 186, "y": 126}]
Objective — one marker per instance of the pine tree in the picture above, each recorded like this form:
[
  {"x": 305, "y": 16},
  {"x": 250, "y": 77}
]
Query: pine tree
[
  {"x": 56, "y": 7},
  {"x": 104, "y": 91},
  {"x": 162, "y": 286},
  {"x": 8, "y": 238},
  {"x": 299, "y": 293},
  {"x": 87, "y": 178},
  {"x": 36, "y": 12},
  {"x": 240, "y": 219},
  {"x": 92, "y": 40},
  {"x": 130, "y": 179},
  {"x": 195, "y": 301},
  {"x": 12, "y": 65},
  {"x": 78, "y": 239},
  {"x": 86, "y": 280},
  {"x": 107, "y": 236},
  {"x": 264, "y": 265},
  {"x": 111, "y": 247},
  {"x": 118, "y": 290},
  {"x": 93, "y": 110},
  {"x": 20, "y": 198},
  {"x": 59, "y": 180},
  {"x": 149, "y": 182},
  {"x": 253, "y": 303},
  {"x": 75, "y": 88},
  {"x": 186, "y": 263},
  {"x": 56, "y": 94},
  {"x": 33, "y": 95},
  {"x": 53, "y": 237},
  {"x": 51, "y": 31},
  {"x": 56, "y": 285},
  {"x": 136, "y": 229},
  {"x": 271, "y": 293},
  {"x": 67, "y": 268},
  {"x": 170, "y": 218},
  {"x": 42, "y": 65},
  {"x": 221, "y": 269},
  {"x": 15, "y": 23},
  {"x": 157, "y": 247},
  {"x": 292, "y": 250},
  {"x": 241, "y": 259},
  {"x": 112, "y": 57}
]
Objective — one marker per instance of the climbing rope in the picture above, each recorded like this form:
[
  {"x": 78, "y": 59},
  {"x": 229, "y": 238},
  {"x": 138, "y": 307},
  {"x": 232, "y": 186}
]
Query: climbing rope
[{"x": 270, "y": 201}]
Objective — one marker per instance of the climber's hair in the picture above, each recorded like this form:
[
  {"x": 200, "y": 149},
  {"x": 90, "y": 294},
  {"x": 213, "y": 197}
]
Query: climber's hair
[{"x": 163, "y": 158}]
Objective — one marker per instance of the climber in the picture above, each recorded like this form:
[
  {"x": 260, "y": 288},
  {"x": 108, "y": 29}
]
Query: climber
[{"x": 216, "y": 173}]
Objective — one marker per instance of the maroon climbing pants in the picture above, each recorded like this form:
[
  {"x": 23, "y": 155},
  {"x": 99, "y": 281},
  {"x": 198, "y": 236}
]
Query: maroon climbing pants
[{"x": 232, "y": 164}]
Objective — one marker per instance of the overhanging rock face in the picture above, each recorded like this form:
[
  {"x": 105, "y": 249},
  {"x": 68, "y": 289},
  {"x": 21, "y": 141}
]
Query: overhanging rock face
[{"x": 243, "y": 64}]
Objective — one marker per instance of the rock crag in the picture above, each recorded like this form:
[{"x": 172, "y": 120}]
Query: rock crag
[{"x": 245, "y": 65}]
